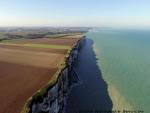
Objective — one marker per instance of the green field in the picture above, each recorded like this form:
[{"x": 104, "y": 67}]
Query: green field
[
  {"x": 70, "y": 35},
  {"x": 55, "y": 36},
  {"x": 50, "y": 46},
  {"x": 2, "y": 35}
]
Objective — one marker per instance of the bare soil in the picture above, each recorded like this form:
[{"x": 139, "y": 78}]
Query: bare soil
[
  {"x": 38, "y": 59},
  {"x": 18, "y": 83}
]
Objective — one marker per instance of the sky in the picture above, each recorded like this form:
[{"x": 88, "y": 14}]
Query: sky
[{"x": 75, "y": 13}]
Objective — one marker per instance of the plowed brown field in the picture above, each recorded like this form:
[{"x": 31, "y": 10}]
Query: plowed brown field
[{"x": 24, "y": 70}]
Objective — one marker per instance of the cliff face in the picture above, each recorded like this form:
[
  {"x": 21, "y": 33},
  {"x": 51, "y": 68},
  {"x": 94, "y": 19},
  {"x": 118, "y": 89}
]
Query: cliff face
[{"x": 54, "y": 100}]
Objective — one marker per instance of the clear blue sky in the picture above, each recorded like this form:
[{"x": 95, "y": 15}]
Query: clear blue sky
[{"x": 109, "y": 13}]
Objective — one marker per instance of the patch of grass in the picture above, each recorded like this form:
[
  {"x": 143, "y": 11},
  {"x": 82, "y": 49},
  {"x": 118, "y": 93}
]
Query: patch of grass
[
  {"x": 48, "y": 46},
  {"x": 41, "y": 46},
  {"x": 2, "y": 36},
  {"x": 70, "y": 35}
]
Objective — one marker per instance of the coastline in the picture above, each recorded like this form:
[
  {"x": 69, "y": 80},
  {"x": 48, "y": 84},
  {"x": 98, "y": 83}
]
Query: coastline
[{"x": 53, "y": 81}]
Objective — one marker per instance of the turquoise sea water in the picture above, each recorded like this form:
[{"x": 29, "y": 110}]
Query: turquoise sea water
[{"x": 124, "y": 59}]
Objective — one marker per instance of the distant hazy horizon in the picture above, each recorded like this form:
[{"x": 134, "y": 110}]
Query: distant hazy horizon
[{"x": 77, "y": 13}]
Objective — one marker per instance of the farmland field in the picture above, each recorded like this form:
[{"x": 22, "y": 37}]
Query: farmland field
[
  {"x": 50, "y": 46},
  {"x": 25, "y": 68},
  {"x": 54, "y": 41}
]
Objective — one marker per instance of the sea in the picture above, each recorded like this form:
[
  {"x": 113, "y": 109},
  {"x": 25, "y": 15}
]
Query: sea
[{"x": 123, "y": 56}]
